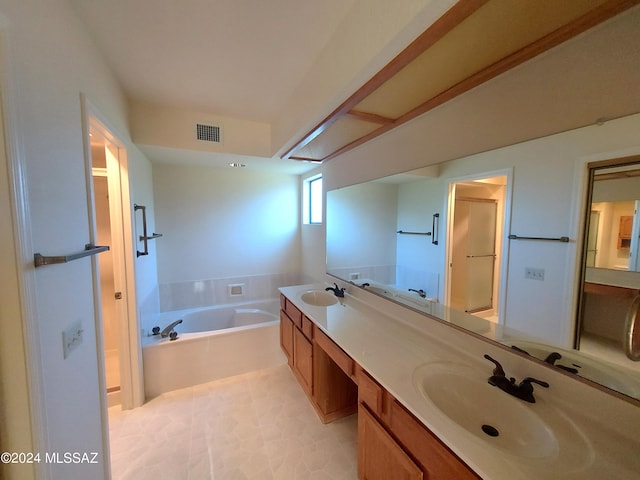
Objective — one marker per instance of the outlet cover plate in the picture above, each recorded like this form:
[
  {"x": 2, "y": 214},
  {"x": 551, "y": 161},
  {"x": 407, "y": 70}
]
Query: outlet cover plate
[
  {"x": 71, "y": 338},
  {"x": 534, "y": 273}
]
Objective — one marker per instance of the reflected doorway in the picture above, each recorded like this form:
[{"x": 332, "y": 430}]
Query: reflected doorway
[
  {"x": 608, "y": 309},
  {"x": 476, "y": 222}
]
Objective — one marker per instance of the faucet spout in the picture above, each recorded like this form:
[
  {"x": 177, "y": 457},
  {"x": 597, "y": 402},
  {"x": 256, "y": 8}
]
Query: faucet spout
[
  {"x": 337, "y": 291},
  {"x": 169, "y": 329},
  {"x": 523, "y": 390}
]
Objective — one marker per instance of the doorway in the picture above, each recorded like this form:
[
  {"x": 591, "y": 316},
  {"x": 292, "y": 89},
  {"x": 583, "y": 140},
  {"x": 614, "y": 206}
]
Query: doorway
[
  {"x": 114, "y": 280},
  {"x": 608, "y": 311},
  {"x": 475, "y": 224},
  {"x": 107, "y": 232}
]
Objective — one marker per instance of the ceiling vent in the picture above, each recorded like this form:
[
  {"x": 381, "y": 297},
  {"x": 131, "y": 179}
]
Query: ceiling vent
[{"x": 208, "y": 133}]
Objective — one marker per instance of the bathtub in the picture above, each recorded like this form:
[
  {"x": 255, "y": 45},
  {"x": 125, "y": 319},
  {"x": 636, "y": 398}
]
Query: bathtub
[{"x": 213, "y": 343}]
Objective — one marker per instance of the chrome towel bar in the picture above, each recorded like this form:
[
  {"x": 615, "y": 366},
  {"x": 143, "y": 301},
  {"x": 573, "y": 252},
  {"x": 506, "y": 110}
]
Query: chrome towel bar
[
  {"x": 561, "y": 239},
  {"x": 433, "y": 233},
  {"x": 402, "y": 232},
  {"x": 144, "y": 237},
  {"x": 89, "y": 249}
]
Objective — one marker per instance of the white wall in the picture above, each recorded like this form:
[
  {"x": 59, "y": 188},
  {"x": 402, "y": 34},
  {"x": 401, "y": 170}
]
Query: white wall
[
  {"x": 419, "y": 261},
  {"x": 225, "y": 223},
  {"x": 140, "y": 176},
  {"x": 51, "y": 60},
  {"x": 361, "y": 235}
]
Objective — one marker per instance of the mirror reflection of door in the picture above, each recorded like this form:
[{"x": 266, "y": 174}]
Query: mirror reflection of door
[
  {"x": 474, "y": 257},
  {"x": 592, "y": 238},
  {"x": 610, "y": 290}
]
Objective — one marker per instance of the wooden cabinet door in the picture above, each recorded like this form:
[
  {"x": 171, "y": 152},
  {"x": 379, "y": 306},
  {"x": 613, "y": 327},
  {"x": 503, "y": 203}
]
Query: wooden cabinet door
[
  {"x": 433, "y": 456},
  {"x": 286, "y": 336},
  {"x": 303, "y": 359},
  {"x": 379, "y": 456}
]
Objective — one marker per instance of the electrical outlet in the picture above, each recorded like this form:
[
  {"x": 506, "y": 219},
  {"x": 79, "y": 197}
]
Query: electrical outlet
[
  {"x": 354, "y": 276},
  {"x": 534, "y": 273},
  {"x": 71, "y": 338}
]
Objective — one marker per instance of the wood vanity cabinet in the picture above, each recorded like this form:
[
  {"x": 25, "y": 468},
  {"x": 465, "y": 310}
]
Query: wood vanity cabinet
[
  {"x": 296, "y": 335},
  {"x": 319, "y": 365},
  {"x": 380, "y": 457},
  {"x": 303, "y": 358},
  {"x": 286, "y": 336},
  {"x": 393, "y": 444},
  {"x": 335, "y": 394}
]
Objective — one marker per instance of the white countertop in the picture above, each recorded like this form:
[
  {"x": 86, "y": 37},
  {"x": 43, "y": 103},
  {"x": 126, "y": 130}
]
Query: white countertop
[{"x": 391, "y": 343}]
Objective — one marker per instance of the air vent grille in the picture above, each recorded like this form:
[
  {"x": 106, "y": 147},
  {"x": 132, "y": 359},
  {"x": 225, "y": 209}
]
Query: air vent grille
[{"x": 208, "y": 133}]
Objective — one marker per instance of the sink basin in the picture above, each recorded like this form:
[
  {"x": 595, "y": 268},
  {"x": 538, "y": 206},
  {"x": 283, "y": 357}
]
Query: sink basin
[
  {"x": 488, "y": 413},
  {"x": 319, "y": 298},
  {"x": 539, "y": 432}
]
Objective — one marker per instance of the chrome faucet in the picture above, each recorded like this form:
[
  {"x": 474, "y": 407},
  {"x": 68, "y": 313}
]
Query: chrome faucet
[
  {"x": 338, "y": 292},
  {"x": 168, "y": 331},
  {"x": 420, "y": 292},
  {"x": 523, "y": 391}
]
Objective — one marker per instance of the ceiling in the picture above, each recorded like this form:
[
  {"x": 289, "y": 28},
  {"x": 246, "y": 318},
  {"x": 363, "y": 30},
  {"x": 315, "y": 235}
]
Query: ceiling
[
  {"x": 238, "y": 58},
  {"x": 245, "y": 59}
]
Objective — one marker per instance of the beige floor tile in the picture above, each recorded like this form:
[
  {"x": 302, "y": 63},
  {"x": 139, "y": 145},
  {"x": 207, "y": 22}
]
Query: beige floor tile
[{"x": 257, "y": 426}]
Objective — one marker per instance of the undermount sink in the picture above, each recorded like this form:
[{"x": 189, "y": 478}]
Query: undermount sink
[
  {"x": 319, "y": 298},
  {"x": 534, "y": 431}
]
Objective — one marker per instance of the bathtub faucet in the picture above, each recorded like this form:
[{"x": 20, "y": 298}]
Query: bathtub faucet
[{"x": 169, "y": 329}]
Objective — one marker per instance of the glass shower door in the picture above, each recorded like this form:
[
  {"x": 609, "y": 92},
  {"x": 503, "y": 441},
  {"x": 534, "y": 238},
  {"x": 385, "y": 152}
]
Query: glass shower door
[{"x": 481, "y": 255}]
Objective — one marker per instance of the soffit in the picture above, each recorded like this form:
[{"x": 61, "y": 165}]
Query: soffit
[{"x": 473, "y": 42}]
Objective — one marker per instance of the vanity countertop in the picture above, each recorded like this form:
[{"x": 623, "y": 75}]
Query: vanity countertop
[{"x": 394, "y": 344}]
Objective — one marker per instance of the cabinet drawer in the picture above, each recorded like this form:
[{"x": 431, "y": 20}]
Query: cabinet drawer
[
  {"x": 434, "y": 457},
  {"x": 344, "y": 361},
  {"x": 294, "y": 314},
  {"x": 307, "y": 327},
  {"x": 369, "y": 392}
]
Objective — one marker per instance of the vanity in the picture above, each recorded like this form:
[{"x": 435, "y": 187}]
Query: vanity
[{"x": 425, "y": 408}]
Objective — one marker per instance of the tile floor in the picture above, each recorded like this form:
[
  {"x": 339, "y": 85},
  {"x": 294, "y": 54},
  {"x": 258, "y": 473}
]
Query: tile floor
[{"x": 254, "y": 426}]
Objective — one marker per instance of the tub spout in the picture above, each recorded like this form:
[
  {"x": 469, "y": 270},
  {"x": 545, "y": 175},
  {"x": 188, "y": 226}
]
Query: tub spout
[{"x": 169, "y": 329}]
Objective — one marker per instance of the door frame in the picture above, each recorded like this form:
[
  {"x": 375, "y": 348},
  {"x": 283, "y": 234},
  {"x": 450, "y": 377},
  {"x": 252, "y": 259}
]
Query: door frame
[
  {"x": 502, "y": 252},
  {"x": 131, "y": 373}
]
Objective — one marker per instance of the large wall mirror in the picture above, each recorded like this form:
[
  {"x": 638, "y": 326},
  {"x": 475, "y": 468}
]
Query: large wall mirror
[{"x": 440, "y": 240}]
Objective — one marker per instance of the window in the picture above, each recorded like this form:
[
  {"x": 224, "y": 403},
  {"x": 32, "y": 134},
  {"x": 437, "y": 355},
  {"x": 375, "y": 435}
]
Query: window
[{"x": 312, "y": 200}]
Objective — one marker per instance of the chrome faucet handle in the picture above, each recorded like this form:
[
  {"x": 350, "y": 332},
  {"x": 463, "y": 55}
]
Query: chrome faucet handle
[{"x": 498, "y": 370}]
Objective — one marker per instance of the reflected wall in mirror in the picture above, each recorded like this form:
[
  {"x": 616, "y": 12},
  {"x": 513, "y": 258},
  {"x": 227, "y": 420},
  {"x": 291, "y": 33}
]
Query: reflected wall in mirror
[
  {"x": 380, "y": 233},
  {"x": 610, "y": 293},
  {"x": 538, "y": 313}
]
